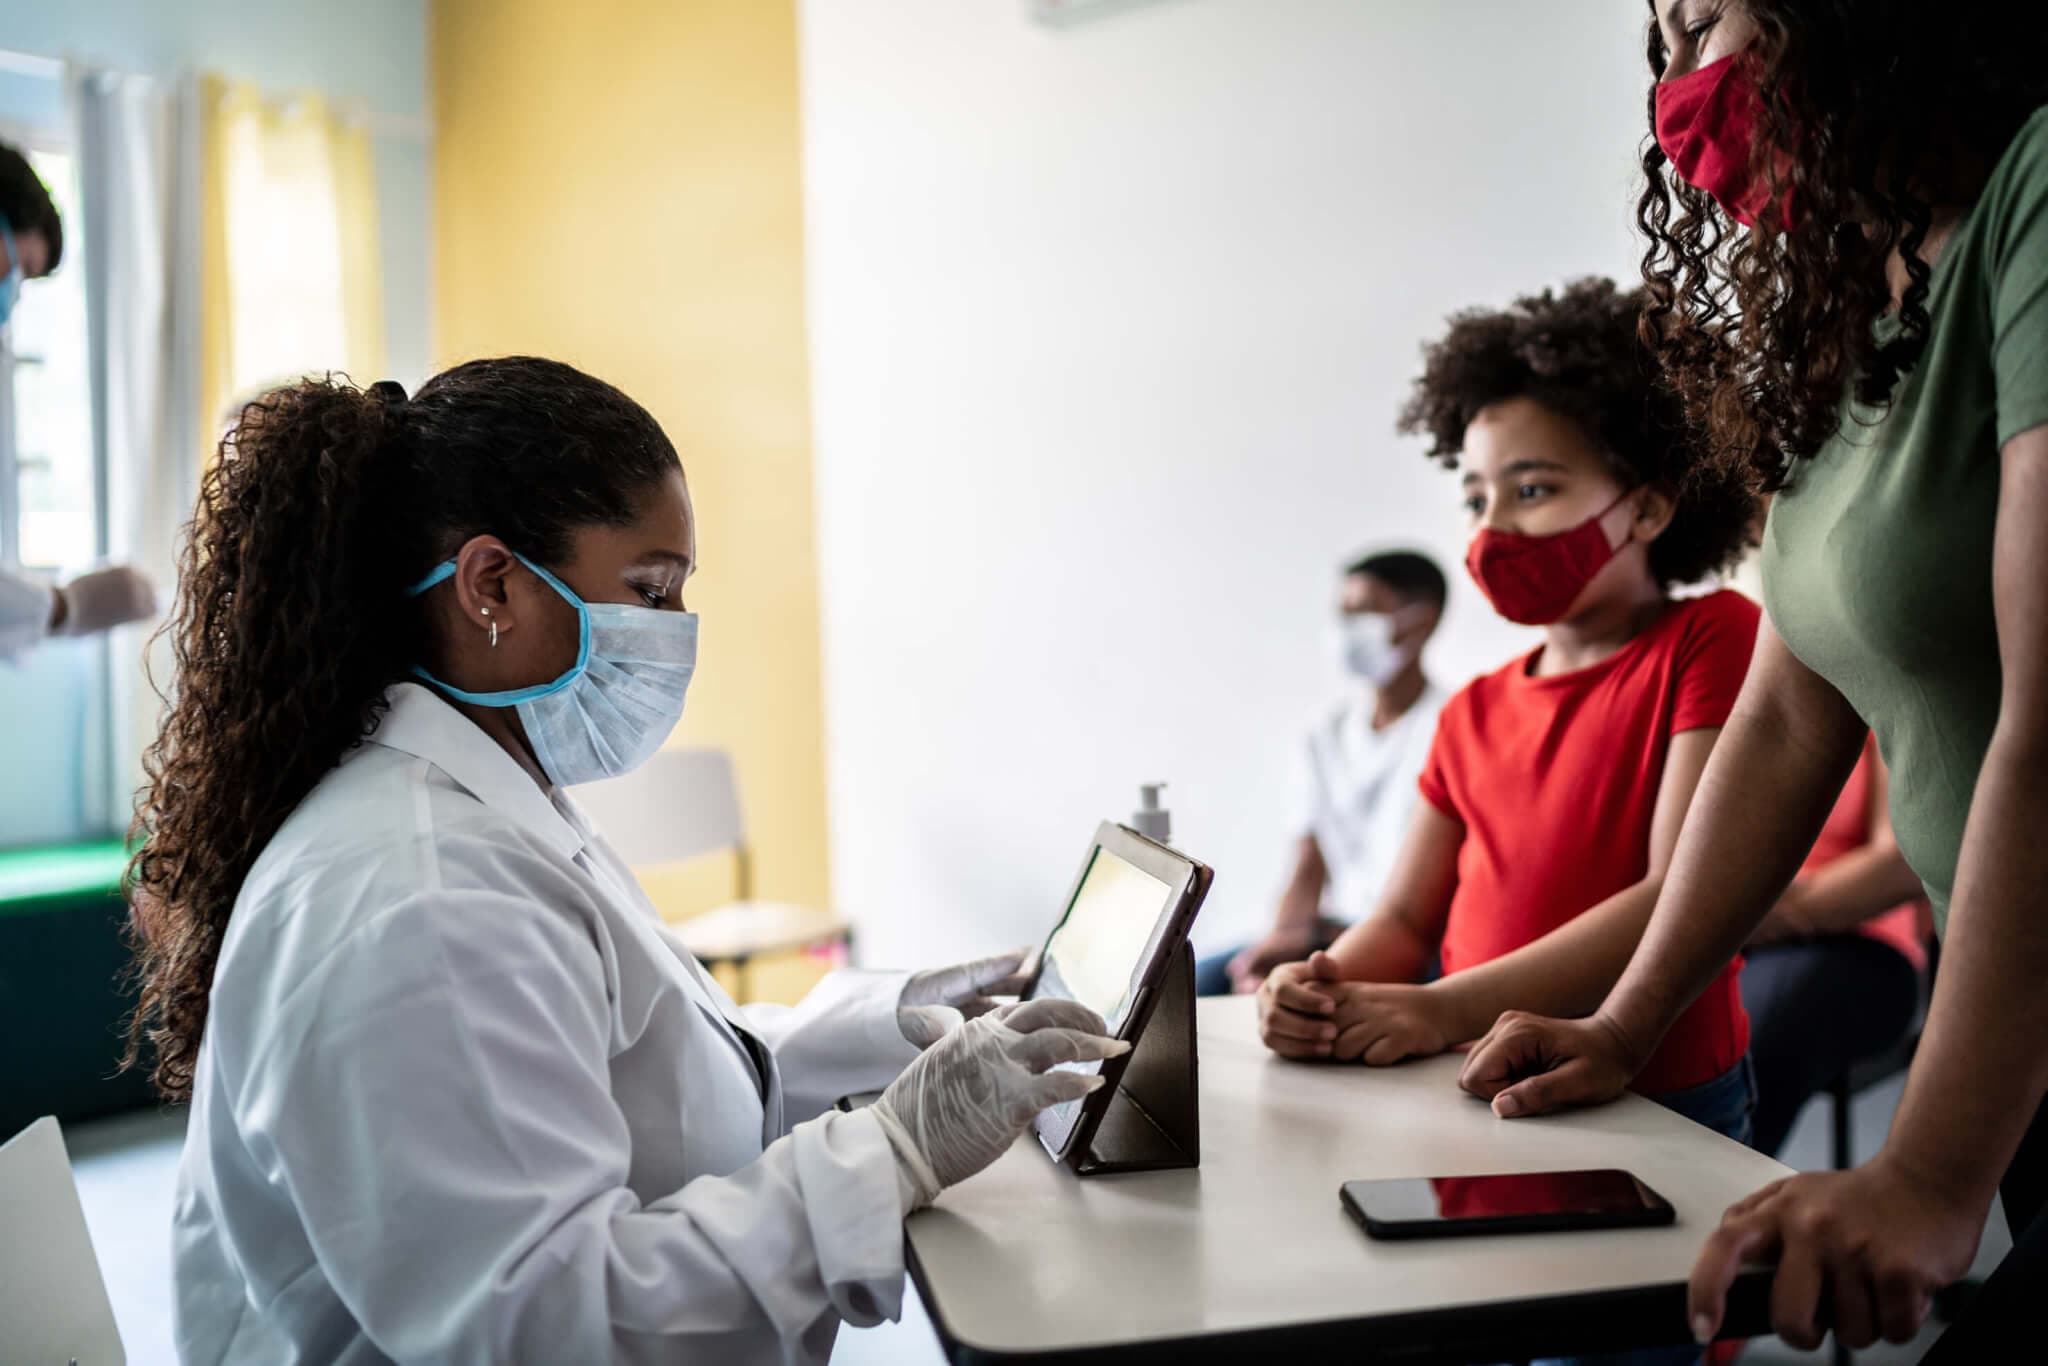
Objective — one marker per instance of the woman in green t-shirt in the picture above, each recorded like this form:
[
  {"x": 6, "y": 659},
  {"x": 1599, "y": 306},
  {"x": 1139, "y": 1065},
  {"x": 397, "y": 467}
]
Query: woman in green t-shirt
[{"x": 1848, "y": 210}]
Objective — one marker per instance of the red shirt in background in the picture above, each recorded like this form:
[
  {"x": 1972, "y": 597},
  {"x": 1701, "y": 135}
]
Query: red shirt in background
[
  {"x": 1555, "y": 782},
  {"x": 1847, "y": 830}
]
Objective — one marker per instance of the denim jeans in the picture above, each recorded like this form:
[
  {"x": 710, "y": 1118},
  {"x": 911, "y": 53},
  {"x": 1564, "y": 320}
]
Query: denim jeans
[
  {"x": 1727, "y": 1105},
  {"x": 1212, "y": 974}
]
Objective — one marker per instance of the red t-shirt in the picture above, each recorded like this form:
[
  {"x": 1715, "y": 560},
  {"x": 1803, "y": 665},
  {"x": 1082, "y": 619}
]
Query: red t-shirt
[
  {"x": 1555, "y": 782},
  {"x": 1847, "y": 830}
]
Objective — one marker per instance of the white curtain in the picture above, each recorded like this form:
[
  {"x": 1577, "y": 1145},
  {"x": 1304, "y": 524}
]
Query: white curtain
[{"x": 137, "y": 143}]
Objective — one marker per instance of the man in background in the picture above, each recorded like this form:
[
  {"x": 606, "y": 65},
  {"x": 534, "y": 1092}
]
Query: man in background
[
  {"x": 1359, "y": 766},
  {"x": 31, "y": 245}
]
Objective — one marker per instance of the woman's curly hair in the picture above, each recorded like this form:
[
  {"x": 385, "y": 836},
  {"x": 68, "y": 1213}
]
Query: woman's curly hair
[
  {"x": 1578, "y": 354},
  {"x": 1874, "y": 113},
  {"x": 290, "y": 622}
]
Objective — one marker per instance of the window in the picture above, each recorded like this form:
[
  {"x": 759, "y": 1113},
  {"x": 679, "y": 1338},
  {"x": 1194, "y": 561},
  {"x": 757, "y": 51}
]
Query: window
[
  {"x": 49, "y": 495},
  {"x": 56, "y": 746}
]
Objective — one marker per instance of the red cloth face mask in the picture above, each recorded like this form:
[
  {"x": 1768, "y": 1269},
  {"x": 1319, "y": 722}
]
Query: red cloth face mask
[
  {"x": 1707, "y": 124},
  {"x": 1534, "y": 580}
]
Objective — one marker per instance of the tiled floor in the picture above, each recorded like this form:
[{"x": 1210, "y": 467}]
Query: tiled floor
[{"x": 126, "y": 1166}]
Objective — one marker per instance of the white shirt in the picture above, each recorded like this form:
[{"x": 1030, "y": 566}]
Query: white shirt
[
  {"x": 1358, "y": 793},
  {"x": 461, "y": 1099},
  {"x": 25, "y": 607}
]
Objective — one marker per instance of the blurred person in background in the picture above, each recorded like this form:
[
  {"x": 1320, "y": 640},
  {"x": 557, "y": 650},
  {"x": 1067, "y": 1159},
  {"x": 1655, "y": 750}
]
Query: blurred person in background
[
  {"x": 1832, "y": 975},
  {"x": 31, "y": 246},
  {"x": 1357, "y": 766}
]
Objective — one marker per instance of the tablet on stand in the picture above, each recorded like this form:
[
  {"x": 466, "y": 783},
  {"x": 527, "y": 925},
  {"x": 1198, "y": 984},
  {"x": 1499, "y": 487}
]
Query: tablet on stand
[{"x": 1121, "y": 948}]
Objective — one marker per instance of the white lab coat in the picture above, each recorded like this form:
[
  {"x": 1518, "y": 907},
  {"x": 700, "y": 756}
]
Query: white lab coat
[{"x": 461, "y": 1099}]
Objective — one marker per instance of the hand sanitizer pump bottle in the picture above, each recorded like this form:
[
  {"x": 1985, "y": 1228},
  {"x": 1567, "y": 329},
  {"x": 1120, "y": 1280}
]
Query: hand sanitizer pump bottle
[{"x": 1152, "y": 820}]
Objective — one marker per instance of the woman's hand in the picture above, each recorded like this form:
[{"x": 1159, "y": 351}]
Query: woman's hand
[
  {"x": 935, "y": 1003},
  {"x": 1295, "y": 1013},
  {"x": 1529, "y": 1065},
  {"x": 965, "y": 1100},
  {"x": 1379, "y": 1023},
  {"x": 1877, "y": 1242}
]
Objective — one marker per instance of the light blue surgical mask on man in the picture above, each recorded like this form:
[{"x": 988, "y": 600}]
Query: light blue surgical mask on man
[
  {"x": 611, "y": 711},
  {"x": 10, "y": 283}
]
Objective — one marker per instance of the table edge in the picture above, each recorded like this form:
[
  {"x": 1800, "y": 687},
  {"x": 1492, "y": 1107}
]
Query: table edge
[{"x": 1628, "y": 1316}]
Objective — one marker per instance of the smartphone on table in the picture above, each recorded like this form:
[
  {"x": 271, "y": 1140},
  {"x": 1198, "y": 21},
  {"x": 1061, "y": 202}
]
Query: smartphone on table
[{"x": 1511, "y": 1202}]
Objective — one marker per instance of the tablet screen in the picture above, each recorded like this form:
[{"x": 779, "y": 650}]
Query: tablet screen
[{"x": 1098, "y": 952}]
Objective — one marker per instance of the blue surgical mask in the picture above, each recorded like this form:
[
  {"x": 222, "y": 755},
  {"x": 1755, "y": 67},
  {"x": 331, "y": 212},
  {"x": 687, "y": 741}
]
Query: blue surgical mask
[
  {"x": 621, "y": 698},
  {"x": 10, "y": 283}
]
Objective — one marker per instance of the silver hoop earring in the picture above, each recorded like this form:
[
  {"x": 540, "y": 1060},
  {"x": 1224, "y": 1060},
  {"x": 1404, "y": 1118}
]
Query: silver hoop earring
[{"x": 494, "y": 628}]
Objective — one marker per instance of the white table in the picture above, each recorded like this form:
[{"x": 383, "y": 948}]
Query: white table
[{"x": 1250, "y": 1257}]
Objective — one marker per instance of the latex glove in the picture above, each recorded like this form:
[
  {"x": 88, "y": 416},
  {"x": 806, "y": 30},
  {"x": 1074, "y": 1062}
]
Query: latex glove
[
  {"x": 101, "y": 600},
  {"x": 934, "y": 1003},
  {"x": 965, "y": 1100}
]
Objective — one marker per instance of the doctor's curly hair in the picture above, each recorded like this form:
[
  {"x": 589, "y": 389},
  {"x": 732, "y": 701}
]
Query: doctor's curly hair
[
  {"x": 1875, "y": 112},
  {"x": 325, "y": 501},
  {"x": 1577, "y": 353}
]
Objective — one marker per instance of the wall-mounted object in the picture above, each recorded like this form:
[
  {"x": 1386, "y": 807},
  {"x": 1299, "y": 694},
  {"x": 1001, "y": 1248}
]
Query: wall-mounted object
[{"x": 1065, "y": 13}]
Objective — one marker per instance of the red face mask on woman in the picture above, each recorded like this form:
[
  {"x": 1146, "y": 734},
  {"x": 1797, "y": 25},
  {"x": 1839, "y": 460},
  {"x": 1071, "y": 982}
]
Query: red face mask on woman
[
  {"x": 1534, "y": 580},
  {"x": 1707, "y": 124}
]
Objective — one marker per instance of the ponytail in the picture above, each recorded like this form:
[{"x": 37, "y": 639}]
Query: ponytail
[
  {"x": 284, "y": 647},
  {"x": 290, "y": 622}
]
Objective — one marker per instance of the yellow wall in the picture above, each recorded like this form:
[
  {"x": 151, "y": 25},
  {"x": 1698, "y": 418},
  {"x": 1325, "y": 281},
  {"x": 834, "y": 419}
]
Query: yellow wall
[{"x": 617, "y": 186}]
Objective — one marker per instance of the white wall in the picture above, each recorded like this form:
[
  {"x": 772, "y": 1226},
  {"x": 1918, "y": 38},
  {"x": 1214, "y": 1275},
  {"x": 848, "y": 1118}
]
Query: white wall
[{"x": 1109, "y": 328}]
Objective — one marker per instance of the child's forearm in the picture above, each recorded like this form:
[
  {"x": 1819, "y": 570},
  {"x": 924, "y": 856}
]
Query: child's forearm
[
  {"x": 1383, "y": 947},
  {"x": 1566, "y": 973}
]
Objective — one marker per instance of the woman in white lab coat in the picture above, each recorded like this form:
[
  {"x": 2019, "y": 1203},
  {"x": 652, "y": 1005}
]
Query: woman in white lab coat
[{"x": 455, "y": 1095}]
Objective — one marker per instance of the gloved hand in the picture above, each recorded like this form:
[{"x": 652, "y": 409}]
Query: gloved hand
[
  {"x": 934, "y": 1003},
  {"x": 101, "y": 600},
  {"x": 961, "y": 1104}
]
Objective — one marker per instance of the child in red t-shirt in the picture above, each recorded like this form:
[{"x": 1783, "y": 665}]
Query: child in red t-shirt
[{"x": 1556, "y": 785}]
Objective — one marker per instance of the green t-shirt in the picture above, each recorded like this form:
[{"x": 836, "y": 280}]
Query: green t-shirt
[{"x": 1877, "y": 559}]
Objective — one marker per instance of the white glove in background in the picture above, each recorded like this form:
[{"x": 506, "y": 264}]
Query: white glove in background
[
  {"x": 934, "y": 1003},
  {"x": 965, "y": 1100},
  {"x": 104, "y": 599}
]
